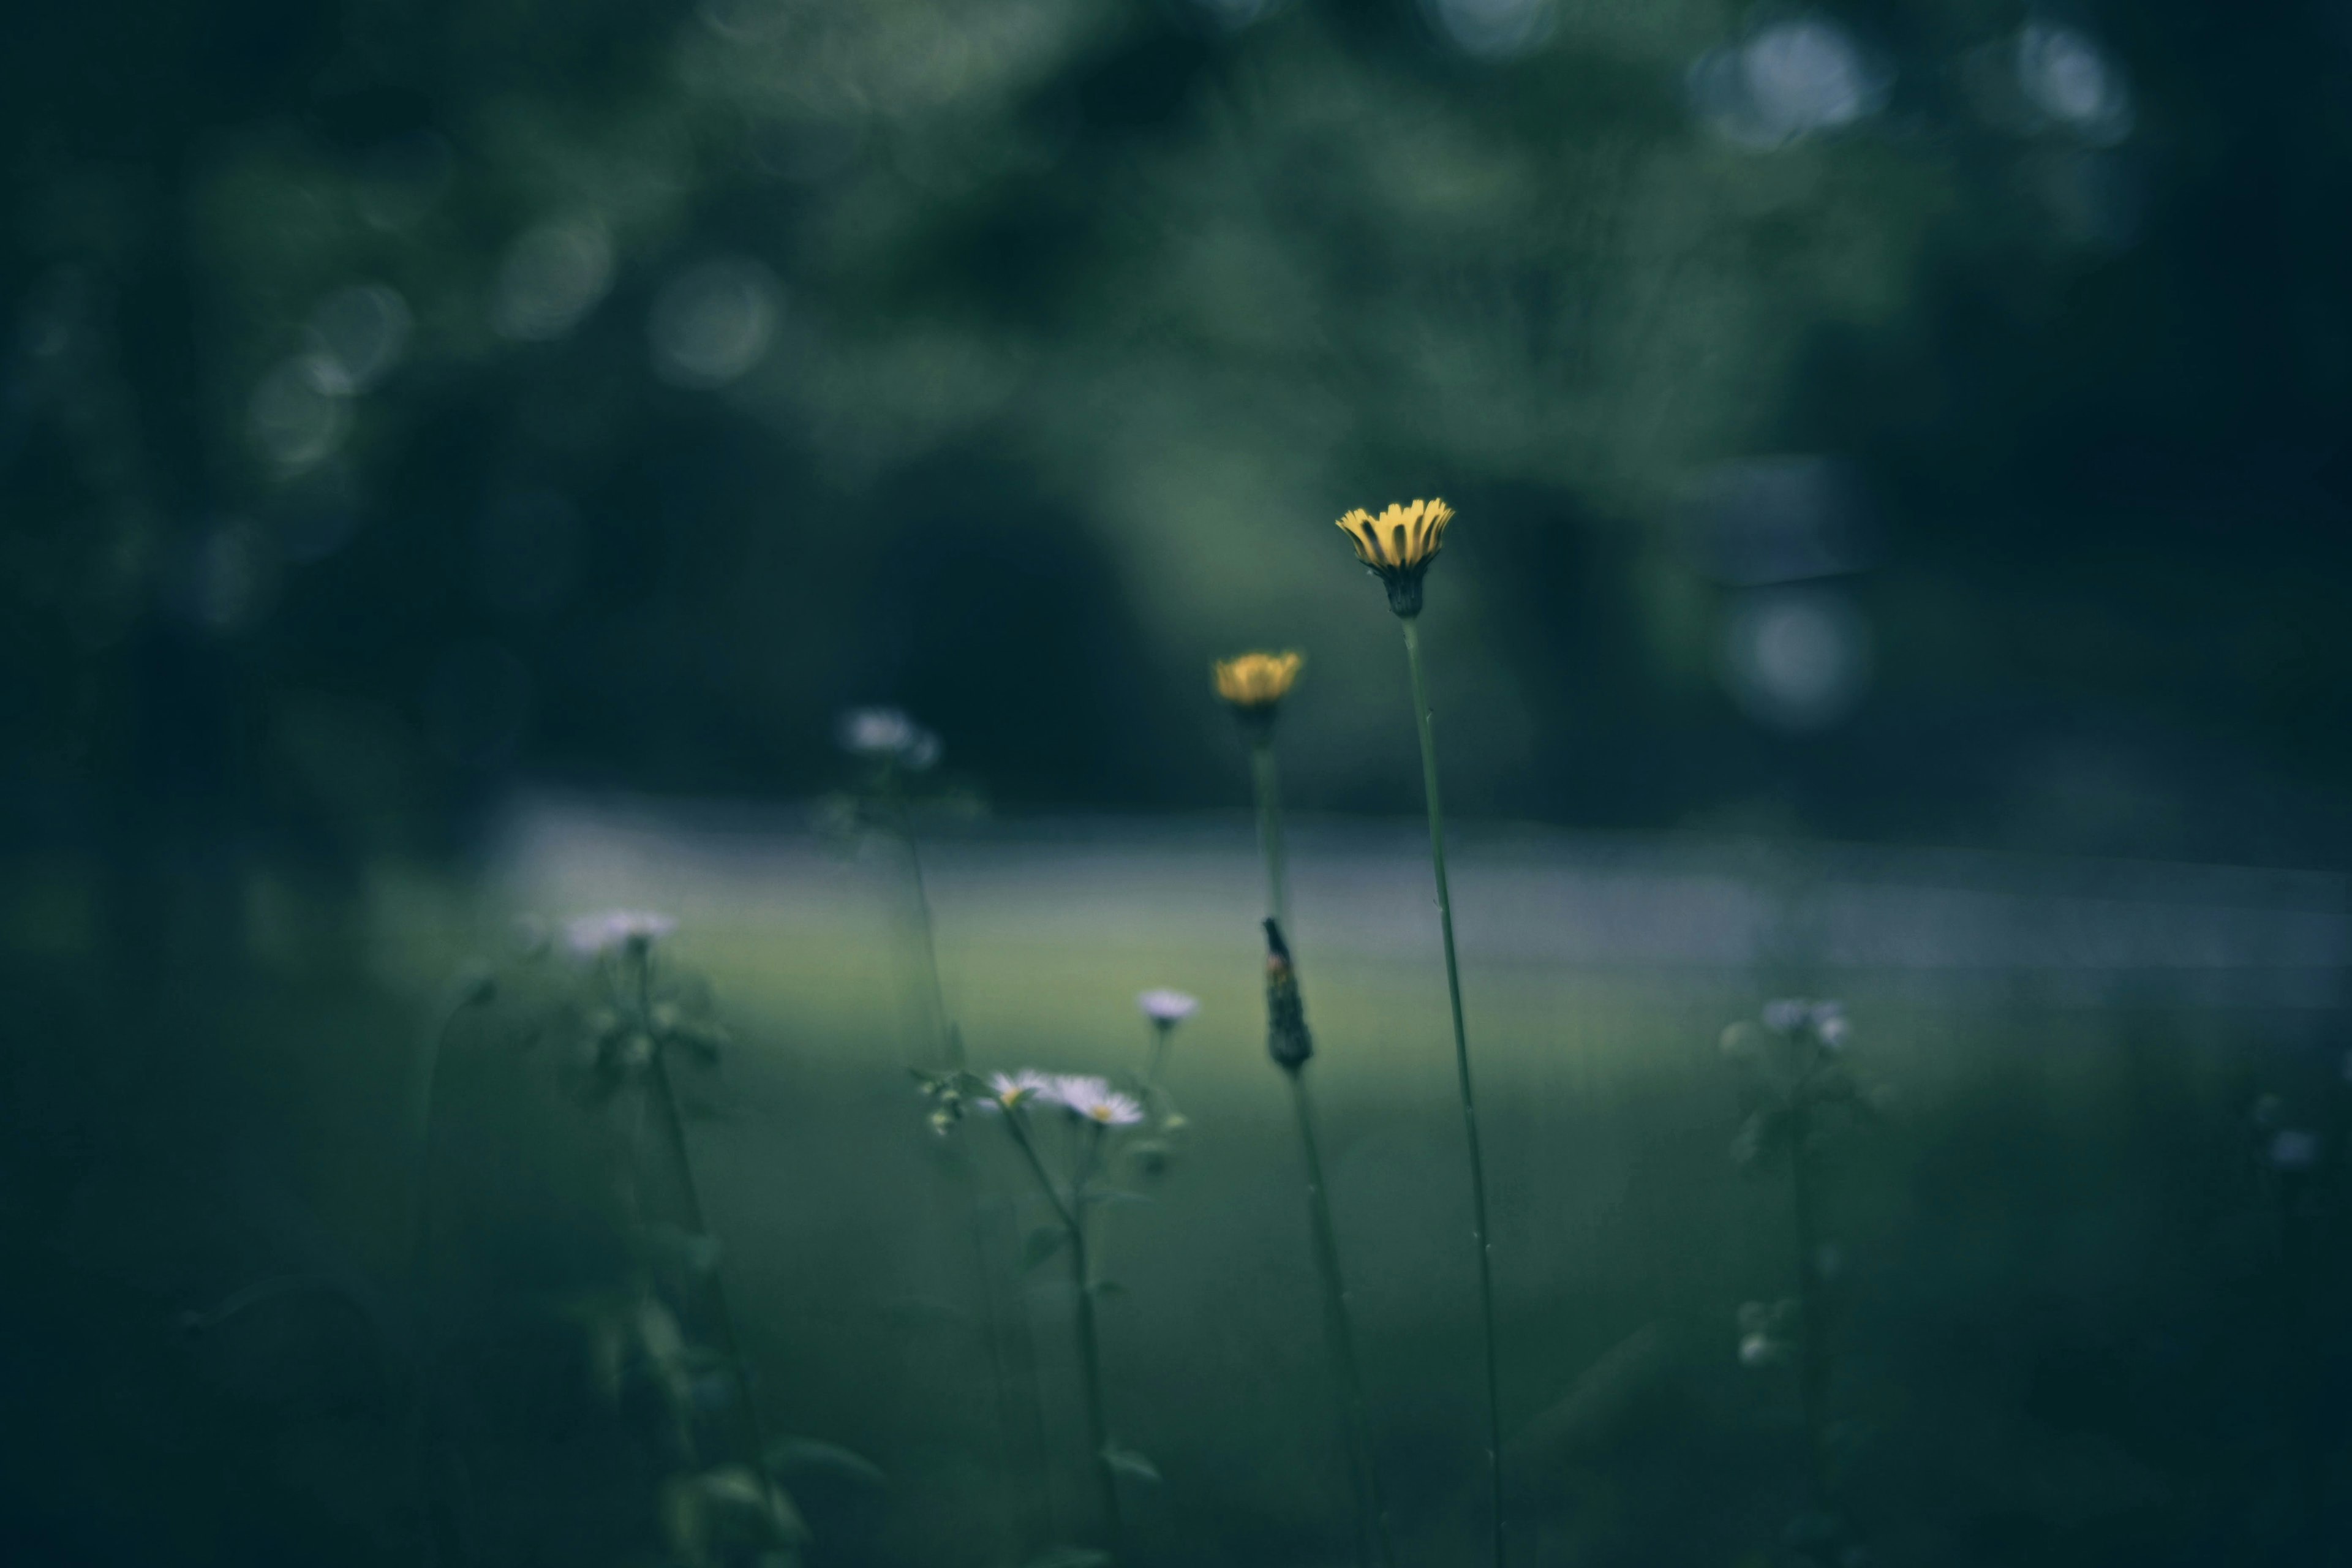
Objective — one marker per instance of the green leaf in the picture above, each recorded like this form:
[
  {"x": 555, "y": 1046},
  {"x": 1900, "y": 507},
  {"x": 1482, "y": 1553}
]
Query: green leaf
[
  {"x": 798, "y": 1456},
  {"x": 1128, "y": 1463},
  {"x": 1042, "y": 1244}
]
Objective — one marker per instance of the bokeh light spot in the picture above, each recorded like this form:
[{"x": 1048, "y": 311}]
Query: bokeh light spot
[
  {"x": 551, "y": 277},
  {"x": 1787, "y": 81},
  {"x": 358, "y": 335},
  {"x": 1796, "y": 660},
  {"x": 2069, "y": 78},
  {"x": 298, "y": 414},
  {"x": 1491, "y": 29},
  {"x": 711, "y": 323}
]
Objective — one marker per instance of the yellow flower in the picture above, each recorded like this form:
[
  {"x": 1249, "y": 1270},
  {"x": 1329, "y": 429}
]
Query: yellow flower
[
  {"x": 1257, "y": 681},
  {"x": 1398, "y": 546}
]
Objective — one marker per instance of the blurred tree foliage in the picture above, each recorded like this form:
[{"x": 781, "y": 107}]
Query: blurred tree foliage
[{"x": 401, "y": 399}]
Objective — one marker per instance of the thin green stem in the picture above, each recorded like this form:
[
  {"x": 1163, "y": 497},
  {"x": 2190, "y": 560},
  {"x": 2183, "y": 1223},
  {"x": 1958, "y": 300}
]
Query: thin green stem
[
  {"x": 995, "y": 1326},
  {"x": 1339, "y": 1328},
  {"x": 1156, "y": 1061},
  {"x": 1813, "y": 1337},
  {"x": 751, "y": 1433},
  {"x": 1267, "y": 781},
  {"x": 1355, "y": 1413},
  {"x": 1073, "y": 1216},
  {"x": 1019, "y": 1127},
  {"x": 950, "y": 1039},
  {"x": 1479, "y": 1229},
  {"x": 1090, "y": 1344}
]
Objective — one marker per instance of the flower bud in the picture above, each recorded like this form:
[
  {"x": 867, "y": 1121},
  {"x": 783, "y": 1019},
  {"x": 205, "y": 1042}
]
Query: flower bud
[{"x": 1286, "y": 1039}]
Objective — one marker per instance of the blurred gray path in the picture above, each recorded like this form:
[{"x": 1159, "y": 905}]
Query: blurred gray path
[{"x": 1945, "y": 923}]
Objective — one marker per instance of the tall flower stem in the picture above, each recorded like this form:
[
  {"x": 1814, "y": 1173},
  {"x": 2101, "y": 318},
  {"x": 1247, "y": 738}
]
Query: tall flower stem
[
  {"x": 1090, "y": 1346},
  {"x": 1813, "y": 1330},
  {"x": 1372, "y": 1523},
  {"x": 751, "y": 1433},
  {"x": 1010, "y": 1353},
  {"x": 1156, "y": 1060},
  {"x": 1073, "y": 1216},
  {"x": 1480, "y": 1231},
  {"x": 926, "y": 932},
  {"x": 1339, "y": 1332},
  {"x": 1267, "y": 783}
]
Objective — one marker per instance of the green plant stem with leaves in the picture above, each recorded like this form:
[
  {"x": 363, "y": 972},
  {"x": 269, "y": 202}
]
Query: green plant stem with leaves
[
  {"x": 1011, "y": 1358},
  {"x": 1478, "y": 1224},
  {"x": 1813, "y": 1329},
  {"x": 1073, "y": 1216},
  {"x": 751, "y": 1433}
]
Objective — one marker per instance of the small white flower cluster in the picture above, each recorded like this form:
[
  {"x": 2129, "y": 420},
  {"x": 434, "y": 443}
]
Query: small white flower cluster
[
  {"x": 887, "y": 735},
  {"x": 1087, "y": 1098},
  {"x": 1167, "y": 1008},
  {"x": 1793, "y": 1014},
  {"x": 592, "y": 936}
]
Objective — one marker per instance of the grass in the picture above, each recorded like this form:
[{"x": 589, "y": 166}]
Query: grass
[{"x": 2056, "y": 1298}]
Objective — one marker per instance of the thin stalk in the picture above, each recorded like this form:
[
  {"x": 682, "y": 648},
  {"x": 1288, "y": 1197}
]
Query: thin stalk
[
  {"x": 1090, "y": 1346},
  {"x": 1372, "y": 1524},
  {"x": 951, "y": 1041},
  {"x": 1355, "y": 1412},
  {"x": 1267, "y": 783},
  {"x": 1073, "y": 1217},
  {"x": 1158, "y": 1059},
  {"x": 752, "y": 1431},
  {"x": 996, "y": 1327},
  {"x": 1478, "y": 1226},
  {"x": 1813, "y": 1341}
]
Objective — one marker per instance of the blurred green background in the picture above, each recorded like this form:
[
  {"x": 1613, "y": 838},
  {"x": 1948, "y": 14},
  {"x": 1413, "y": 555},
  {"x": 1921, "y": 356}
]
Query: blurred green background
[
  {"x": 1896, "y": 420},
  {"x": 1891, "y": 424}
]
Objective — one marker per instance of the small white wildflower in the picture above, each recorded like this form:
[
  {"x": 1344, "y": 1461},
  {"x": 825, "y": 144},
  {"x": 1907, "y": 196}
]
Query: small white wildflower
[
  {"x": 1007, "y": 1089},
  {"x": 1829, "y": 1025},
  {"x": 1094, "y": 1099},
  {"x": 592, "y": 936},
  {"x": 1167, "y": 1007},
  {"x": 2294, "y": 1149},
  {"x": 887, "y": 734}
]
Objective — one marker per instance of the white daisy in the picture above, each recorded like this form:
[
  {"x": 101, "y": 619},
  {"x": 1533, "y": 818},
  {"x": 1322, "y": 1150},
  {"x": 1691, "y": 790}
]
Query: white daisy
[
  {"x": 1094, "y": 1099},
  {"x": 1007, "y": 1089},
  {"x": 1167, "y": 1007}
]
